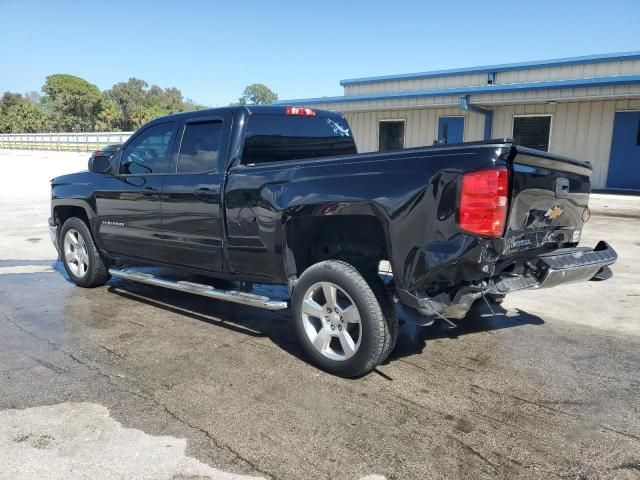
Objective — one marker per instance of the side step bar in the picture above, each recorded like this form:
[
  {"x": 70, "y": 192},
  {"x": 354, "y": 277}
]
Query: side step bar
[{"x": 203, "y": 290}]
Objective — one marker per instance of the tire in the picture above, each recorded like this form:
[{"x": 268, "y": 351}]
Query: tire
[
  {"x": 372, "y": 327},
  {"x": 80, "y": 257}
]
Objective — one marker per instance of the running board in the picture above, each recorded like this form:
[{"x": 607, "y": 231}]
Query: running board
[{"x": 203, "y": 290}]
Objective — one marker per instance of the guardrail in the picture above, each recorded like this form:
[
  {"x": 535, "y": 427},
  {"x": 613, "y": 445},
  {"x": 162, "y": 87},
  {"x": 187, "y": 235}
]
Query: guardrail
[{"x": 73, "y": 142}]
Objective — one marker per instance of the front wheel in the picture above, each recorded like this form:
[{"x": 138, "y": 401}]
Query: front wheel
[
  {"x": 344, "y": 318},
  {"x": 81, "y": 259}
]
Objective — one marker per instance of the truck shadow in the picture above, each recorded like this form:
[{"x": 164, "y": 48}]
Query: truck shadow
[
  {"x": 412, "y": 339},
  {"x": 276, "y": 326}
]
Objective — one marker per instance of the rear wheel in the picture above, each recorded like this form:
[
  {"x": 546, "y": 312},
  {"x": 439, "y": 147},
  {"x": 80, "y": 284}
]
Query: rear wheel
[
  {"x": 344, "y": 319},
  {"x": 81, "y": 259}
]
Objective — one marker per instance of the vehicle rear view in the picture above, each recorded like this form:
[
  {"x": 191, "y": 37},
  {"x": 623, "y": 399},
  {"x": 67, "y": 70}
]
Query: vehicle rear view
[
  {"x": 524, "y": 217},
  {"x": 549, "y": 206}
]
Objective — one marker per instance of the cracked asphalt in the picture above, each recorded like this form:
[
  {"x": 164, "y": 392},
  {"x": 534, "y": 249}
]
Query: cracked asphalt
[{"x": 546, "y": 386}]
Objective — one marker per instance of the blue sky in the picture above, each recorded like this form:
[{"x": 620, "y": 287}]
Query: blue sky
[{"x": 211, "y": 50}]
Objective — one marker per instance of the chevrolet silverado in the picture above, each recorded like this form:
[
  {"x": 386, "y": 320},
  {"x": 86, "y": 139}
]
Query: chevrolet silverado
[{"x": 279, "y": 195}]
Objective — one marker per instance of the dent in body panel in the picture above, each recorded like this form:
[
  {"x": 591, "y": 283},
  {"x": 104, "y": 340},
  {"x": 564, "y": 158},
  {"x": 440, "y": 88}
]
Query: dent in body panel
[
  {"x": 411, "y": 193},
  {"x": 539, "y": 217}
]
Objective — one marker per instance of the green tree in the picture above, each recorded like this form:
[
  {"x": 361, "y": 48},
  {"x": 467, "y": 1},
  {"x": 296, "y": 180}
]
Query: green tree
[
  {"x": 257, "y": 94},
  {"x": 109, "y": 116},
  {"x": 24, "y": 117},
  {"x": 139, "y": 116},
  {"x": 189, "y": 106},
  {"x": 72, "y": 103},
  {"x": 142, "y": 114},
  {"x": 10, "y": 99},
  {"x": 33, "y": 97},
  {"x": 128, "y": 96},
  {"x": 140, "y": 103},
  {"x": 169, "y": 99}
]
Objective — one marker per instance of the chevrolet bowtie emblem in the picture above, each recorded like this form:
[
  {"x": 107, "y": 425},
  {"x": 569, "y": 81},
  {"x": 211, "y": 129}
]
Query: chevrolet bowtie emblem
[{"x": 554, "y": 213}]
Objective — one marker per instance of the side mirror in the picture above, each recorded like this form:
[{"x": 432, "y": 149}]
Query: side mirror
[{"x": 100, "y": 164}]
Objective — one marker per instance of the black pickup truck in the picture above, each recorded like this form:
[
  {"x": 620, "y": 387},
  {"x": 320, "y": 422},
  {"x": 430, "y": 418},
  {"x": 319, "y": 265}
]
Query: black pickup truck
[{"x": 279, "y": 195}]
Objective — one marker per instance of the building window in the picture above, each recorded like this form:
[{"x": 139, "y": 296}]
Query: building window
[
  {"x": 390, "y": 135},
  {"x": 532, "y": 131}
]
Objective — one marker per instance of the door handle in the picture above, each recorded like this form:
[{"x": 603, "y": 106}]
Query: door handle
[
  {"x": 562, "y": 187},
  {"x": 148, "y": 191},
  {"x": 204, "y": 192}
]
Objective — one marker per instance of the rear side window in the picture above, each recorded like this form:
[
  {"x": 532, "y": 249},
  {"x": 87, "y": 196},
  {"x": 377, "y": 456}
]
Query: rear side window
[
  {"x": 277, "y": 138},
  {"x": 149, "y": 152},
  {"x": 199, "y": 148}
]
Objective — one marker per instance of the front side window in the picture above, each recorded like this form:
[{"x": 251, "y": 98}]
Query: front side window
[
  {"x": 390, "y": 135},
  {"x": 200, "y": 147},
  {"x": 277, "y": 138},
  {"x": 149, "y": 152},
  {"x": 532, "y": 132}
]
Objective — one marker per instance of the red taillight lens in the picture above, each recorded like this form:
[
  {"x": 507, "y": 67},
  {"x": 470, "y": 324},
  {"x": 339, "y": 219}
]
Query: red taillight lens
[
  {"x": 483, "y": 202},
  {"x": 302, "y": 111}
]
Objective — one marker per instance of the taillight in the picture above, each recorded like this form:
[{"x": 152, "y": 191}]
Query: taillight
[
  {"x": 302, "y": 111},
  {"x": 483, "y": 202}
]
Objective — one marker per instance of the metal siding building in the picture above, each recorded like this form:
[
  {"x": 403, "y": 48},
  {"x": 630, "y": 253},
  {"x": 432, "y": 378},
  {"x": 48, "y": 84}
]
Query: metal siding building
[{"x": 582, "y": 97}]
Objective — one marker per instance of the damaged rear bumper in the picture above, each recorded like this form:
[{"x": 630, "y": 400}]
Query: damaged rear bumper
[
  {"x": 565, "y": 265},
  {"x": 558, "y": 267}
]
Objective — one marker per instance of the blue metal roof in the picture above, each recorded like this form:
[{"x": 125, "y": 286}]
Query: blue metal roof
[
  {"x": 482, "y": 89},
  {"x": 607, "y": 57}
]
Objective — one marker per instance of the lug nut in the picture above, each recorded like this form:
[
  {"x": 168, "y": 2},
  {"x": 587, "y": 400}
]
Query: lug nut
[
  {"x": 339, "y": 327},
  {"x": 333, "y": 327},
  {"x": 328, "y": 310}
]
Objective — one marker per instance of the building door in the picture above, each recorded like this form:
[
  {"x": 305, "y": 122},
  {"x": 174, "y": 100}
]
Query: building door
[
  {"x": 624, "y": 163},
  {"x": 450, "y": 130}
]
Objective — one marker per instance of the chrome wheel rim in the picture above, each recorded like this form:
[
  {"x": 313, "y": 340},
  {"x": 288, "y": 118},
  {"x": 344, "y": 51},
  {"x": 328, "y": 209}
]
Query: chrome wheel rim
[
  {"x": 75, "y": 253},
  {"x": 331, "y": 321}
]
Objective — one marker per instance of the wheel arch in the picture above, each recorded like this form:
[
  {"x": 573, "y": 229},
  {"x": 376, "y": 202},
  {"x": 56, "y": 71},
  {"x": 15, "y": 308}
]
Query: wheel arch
[
  {"x": 359, "y": 235},
  {"x": 62, "y": 211}
]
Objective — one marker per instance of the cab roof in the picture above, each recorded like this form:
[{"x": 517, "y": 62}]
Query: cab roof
[{"x": 248, "y": 109}]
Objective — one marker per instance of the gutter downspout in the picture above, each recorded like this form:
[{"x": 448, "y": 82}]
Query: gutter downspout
[{"x": 465, "y": 104}]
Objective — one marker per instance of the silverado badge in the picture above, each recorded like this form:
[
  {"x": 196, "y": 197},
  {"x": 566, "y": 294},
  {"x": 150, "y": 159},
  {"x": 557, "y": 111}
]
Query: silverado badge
[{"x": 554, "y": 212}]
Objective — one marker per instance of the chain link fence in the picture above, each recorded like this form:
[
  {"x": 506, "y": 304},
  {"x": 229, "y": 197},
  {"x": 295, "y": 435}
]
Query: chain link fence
[{"x": 70, "y": 142}]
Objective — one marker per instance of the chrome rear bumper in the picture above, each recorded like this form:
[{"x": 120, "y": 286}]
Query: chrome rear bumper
[
  {"x": 566, "y": 265},
  {"x": 579, "y": 265}
]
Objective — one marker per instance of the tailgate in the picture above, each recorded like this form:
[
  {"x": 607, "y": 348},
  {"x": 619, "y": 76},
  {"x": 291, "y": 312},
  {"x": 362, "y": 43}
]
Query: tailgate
[{"x": 549, "y": 200}]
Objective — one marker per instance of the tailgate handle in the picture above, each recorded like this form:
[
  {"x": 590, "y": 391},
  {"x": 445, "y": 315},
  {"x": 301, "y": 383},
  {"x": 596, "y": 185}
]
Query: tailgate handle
[{"x": 562, "y": 187}]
